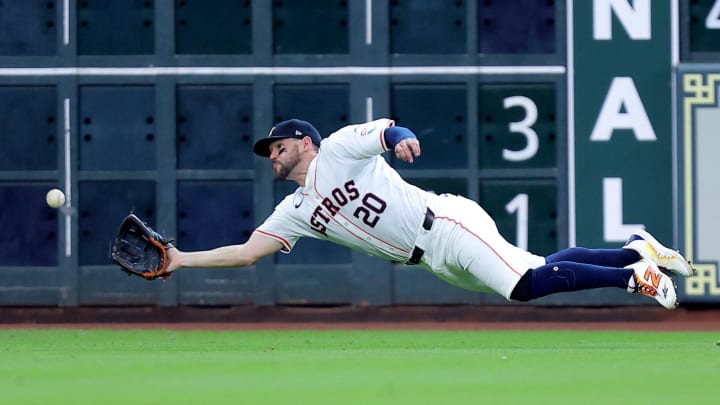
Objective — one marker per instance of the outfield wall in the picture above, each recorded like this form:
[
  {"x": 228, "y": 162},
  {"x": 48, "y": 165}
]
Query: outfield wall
[{"x": 571, "y": 122}]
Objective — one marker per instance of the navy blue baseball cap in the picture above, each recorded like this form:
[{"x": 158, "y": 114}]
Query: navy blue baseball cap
[{"x": 294, "y": 128}]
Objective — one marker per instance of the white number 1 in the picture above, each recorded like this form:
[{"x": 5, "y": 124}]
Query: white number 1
[{"x": 519, "y": 204}]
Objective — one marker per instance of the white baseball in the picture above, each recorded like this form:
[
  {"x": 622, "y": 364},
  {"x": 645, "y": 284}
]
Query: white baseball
[{"x": 55, "y": 198}]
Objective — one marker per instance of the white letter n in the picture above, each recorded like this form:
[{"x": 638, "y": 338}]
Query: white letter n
[{"x": 635, "y": 19}]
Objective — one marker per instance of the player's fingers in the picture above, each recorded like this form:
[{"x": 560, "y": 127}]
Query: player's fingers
[
  {"x": 409, "y": 156},
  {"x": 403, "y": 153},
  {"x": 414, "y": 147}
]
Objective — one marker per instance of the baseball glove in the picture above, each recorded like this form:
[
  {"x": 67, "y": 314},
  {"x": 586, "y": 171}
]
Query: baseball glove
[{"x": 140, "y": 250}]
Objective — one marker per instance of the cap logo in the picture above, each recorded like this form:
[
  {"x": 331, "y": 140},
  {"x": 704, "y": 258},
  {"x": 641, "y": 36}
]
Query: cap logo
[{"x": 293, "y": 129}]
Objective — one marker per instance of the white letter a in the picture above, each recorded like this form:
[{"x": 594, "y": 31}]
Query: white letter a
[{"x": 623, "y": 95}]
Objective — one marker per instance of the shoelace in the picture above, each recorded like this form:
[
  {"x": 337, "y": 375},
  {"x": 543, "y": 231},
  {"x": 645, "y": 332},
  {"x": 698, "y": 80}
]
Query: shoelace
[{"x": 644, "y": 288}]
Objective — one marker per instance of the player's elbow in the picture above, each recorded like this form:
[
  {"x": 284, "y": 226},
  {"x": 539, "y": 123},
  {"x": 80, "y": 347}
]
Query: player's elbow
[
  {"x": 249, "y": 261},
  {"x": 229, "y": 256},
  {"x": 247, "y": 257}
]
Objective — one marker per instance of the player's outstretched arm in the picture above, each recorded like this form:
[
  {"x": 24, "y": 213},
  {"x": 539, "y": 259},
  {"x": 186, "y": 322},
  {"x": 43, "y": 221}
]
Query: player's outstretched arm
[{"x": 245, "y": 254}]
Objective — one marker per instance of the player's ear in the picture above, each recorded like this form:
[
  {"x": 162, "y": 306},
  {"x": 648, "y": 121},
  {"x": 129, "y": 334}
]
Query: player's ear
[{"x": 307, "y": 142}]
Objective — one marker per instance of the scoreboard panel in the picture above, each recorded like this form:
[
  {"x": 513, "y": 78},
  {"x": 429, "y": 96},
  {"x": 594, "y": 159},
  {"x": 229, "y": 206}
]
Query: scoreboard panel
[
  {"x": 525, "y": 212},
  {"x": 517, "y": 126},
  {"x": 438, "y": 114},
  {"x": 701, "y": 31}
]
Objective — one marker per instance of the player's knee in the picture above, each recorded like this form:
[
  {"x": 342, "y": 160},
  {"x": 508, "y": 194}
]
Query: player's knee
[{"x": 523, "y": 289}]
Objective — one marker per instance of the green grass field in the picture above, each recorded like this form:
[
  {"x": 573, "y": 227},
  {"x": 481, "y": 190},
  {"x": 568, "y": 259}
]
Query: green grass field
[{"x": 357, "y": 367}]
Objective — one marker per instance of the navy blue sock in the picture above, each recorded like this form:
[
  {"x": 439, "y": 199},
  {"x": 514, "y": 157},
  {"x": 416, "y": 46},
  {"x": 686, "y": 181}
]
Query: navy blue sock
[
  {"x": 571, "y": 276},
  {"x": 601, "y": 257}
]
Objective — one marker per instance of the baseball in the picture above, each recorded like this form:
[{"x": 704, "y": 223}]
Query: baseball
[{"x": 55, "y": 198}]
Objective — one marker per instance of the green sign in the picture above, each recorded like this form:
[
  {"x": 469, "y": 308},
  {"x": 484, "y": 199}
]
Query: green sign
[{"x": 623, "y": 128}]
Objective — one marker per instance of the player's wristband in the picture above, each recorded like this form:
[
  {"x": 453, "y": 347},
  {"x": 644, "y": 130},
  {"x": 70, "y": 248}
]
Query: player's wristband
[{"x": 394, "y": 135}]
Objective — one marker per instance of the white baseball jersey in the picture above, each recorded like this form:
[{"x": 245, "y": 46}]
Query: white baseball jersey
[{"x": 352, "y": 197}]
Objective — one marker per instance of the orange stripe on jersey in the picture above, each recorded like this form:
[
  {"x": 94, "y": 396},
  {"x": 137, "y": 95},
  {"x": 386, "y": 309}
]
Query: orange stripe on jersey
[
  {"x": 383, "y": 145},
  {"x": 278, "y": 238},
  {"x": 481, "y": 240}
]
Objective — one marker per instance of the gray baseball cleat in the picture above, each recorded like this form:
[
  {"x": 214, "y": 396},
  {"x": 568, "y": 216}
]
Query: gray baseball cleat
[
  {"x": 665, "y": 258},
  {"x": 649, "y": 280}
]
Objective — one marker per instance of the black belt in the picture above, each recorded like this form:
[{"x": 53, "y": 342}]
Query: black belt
[{"x": 418, "y": 253}]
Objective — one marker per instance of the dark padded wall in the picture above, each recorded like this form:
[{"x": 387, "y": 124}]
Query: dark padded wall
[
  {"x": 215, "y": 213},
  {"x": 504, "y": 30},
  {"x": 428, "y": 27},
  {"x": 28, "y": 128},
  {"x": 437, "y": 113},
  {"x": 166, "y": 98},
  {"x": 28, "y": 28},
  {"x": 311, "y": 27},
  {"x": 29, "y": 236},
  {"x": 117, "y": 128},
  {"x": 326, "y": 106},
  {"x": 118, "y": 27},
  {"x": 214, "y": 126},
  {"x": 207, "y": 27}
]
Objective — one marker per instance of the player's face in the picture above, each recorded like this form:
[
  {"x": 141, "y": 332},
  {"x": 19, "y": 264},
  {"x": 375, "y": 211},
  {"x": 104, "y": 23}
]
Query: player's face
[{"x": 285, "y": 156}]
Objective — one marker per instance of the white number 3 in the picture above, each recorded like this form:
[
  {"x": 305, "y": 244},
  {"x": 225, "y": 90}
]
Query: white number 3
[{"x": 524, "y": 127}]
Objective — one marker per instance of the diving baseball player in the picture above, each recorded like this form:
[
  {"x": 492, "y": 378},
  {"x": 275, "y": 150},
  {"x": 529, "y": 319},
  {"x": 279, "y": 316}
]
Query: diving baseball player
[{"x": 349, "y": 195}]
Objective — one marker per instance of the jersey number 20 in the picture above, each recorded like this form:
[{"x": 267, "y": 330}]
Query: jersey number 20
[{"x": 371, "y": 209}]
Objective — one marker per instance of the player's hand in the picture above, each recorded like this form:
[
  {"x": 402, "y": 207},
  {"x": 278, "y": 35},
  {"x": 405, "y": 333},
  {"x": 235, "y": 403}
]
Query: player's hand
[
  {"x": 408, "y": 149},
  {"x": 174, "y": 259}
]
